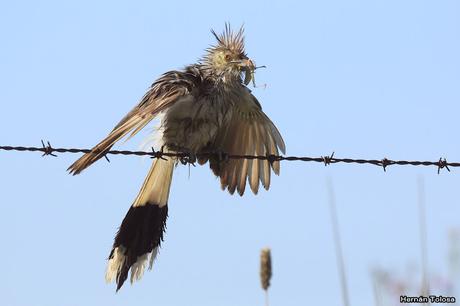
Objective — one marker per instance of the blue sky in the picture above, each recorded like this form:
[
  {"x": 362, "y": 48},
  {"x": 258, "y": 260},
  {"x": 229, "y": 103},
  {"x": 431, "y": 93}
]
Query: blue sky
[{"x": 368, "y": 79}]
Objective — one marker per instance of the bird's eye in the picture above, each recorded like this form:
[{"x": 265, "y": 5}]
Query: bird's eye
[{"x": 228, "y": 57}]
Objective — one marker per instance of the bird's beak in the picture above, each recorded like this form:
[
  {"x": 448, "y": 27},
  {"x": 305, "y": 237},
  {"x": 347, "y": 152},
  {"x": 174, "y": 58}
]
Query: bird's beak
[{"x": 247, "y": 67}]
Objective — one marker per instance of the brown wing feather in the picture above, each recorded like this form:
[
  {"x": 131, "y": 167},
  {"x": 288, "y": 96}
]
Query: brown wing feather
[
  {"x": 249, "y": 132},
  {"x": 168, "y": 89}
]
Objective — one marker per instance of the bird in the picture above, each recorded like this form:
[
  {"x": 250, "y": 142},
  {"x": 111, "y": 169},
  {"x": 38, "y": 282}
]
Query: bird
[{"x": 204, "y": 107}]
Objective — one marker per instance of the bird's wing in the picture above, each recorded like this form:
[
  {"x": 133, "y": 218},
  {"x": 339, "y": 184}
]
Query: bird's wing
[
  {"x": 164, "y": 92},
  {"x": 249, "y": 132}
]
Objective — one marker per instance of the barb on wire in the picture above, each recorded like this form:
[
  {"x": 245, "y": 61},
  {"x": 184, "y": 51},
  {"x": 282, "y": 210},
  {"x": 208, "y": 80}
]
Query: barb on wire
[
  {"x": 47, "y": 150},
  {"x": 386, "y": 162},
  {"x": 442, "y": 163},
  {"x": 328, "y": 159},
  {"x": 189, "y": 158}
]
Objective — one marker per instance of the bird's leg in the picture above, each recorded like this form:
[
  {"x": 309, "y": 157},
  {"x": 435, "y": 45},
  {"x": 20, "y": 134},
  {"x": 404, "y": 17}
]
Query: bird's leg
[{"x": 188, "y": 156}]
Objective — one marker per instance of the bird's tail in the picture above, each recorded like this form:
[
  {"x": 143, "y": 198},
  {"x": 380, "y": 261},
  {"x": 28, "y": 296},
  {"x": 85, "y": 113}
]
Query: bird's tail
[{"x": 141, "y": 231}]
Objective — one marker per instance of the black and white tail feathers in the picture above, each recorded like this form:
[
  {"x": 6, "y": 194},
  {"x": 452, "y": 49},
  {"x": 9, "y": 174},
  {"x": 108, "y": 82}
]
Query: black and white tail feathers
[
  {"x": 137, "y": 242},
  {"x": 141, "y": 232}
]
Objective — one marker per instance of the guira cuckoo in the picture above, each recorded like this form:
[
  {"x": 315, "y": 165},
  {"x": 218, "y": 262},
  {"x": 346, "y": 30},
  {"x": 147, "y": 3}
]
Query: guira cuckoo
[{"x": 205, "y": 107}]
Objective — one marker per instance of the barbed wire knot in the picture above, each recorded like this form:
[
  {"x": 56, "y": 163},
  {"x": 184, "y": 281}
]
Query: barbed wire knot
[
  {"x": 442, "y": 163},
  {"x": 272, "y": 158},
  {"x": 47, "y": 149},
  {"x": 328, "y": 159},
  {"x": 385, "y": 162},
  {"x": 158, "y": 154}
]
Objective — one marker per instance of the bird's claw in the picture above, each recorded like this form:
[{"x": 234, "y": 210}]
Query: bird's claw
[{"x": 188, "y": 158}]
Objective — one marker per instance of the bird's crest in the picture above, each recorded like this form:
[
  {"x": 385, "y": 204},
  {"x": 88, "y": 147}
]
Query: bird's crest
[
  {"x": 227, "y": 59},
  {"x": 230, "y": 40}
]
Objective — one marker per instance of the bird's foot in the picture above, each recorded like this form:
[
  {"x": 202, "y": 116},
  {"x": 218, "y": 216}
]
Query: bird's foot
[
  {"x": 187, "y": 156},
  {"x": 184, "y": 155}
]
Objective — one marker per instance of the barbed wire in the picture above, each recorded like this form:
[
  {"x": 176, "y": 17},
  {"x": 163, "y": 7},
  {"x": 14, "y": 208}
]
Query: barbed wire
[{"x": 186, "y": 157}]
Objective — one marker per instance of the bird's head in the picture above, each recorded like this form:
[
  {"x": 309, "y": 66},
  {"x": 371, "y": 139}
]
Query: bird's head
[{"x": 227, "y": 59}]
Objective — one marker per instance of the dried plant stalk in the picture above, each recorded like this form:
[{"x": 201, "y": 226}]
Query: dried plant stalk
[{"x": 265, "y": 268}]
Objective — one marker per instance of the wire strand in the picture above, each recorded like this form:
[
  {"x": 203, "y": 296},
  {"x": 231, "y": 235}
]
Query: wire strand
[{"x": 47, "y": 149}]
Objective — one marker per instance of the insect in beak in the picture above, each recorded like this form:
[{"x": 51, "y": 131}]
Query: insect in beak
[{"x": 248, "y": 67}]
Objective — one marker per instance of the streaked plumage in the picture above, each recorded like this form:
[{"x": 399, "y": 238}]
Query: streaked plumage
[{"x": 204, "y": 107}]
